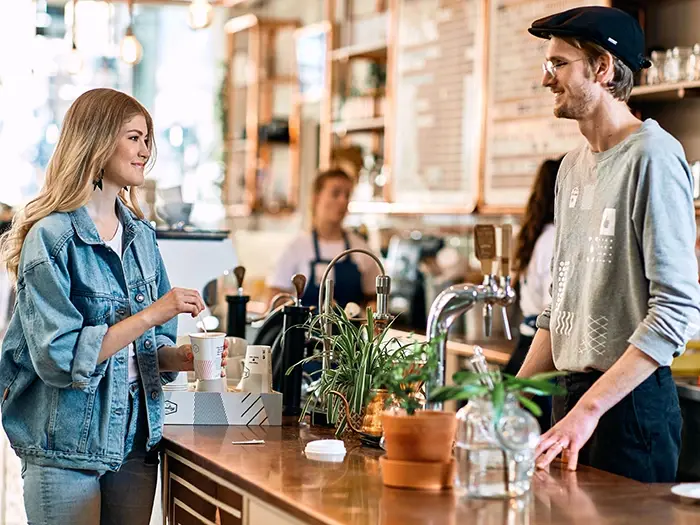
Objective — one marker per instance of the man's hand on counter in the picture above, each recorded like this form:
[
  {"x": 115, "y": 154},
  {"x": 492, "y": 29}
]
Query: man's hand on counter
[
  {"x": 570, "y": 434},
  {"x": 574, "y": 430}
]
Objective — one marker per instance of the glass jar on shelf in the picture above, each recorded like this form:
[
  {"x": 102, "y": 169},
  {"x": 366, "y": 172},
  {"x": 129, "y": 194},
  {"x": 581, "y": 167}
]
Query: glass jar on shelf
[
  {"x": 654, "y": 75},
  {"x": 672, "y": 66},
  {"x": 495, "y": 459},
  {"x": 685, "y": 57},
  {"x": 692, "y": 65}
]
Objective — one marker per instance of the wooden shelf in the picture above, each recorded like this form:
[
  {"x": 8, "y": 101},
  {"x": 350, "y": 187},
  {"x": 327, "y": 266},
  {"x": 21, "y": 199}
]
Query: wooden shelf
[
  {"x": 251, "y": 104},
  {"x": 358, "y": 125},
  {"x": 368, "y": 52},
  {"x": 404, "y": 208},
  {"x": 666, "y": 92}
]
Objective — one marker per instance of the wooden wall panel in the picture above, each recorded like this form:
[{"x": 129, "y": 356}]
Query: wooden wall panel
[{"x": 439, "y": 102}]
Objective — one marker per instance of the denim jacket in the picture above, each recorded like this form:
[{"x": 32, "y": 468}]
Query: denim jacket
[{"x": 60, "y": 407}]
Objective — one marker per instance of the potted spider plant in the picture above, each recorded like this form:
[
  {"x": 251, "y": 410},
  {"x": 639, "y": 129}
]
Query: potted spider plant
[
  {"x": 412, "y": 433},
  {"x": 360, "y": 352}
]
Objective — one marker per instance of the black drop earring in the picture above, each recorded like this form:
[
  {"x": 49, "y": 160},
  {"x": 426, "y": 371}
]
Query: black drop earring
[{"x": 98, "y": 183}]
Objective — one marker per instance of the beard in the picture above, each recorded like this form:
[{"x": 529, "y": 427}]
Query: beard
[{"x": 575, "y": 106}]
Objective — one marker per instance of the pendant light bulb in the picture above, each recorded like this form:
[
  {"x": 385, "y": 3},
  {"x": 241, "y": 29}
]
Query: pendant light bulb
[
  {"x": 200, "y": 14},
  {"x": 74, "y": 62},
  {"x": 130, "y": 49}
]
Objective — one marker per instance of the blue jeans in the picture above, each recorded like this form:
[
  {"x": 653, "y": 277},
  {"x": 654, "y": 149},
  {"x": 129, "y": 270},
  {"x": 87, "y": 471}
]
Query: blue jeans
[{"x": 57, "y": 496}]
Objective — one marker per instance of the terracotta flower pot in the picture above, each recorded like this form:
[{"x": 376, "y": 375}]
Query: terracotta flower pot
[{"x": 425, "y": 436}]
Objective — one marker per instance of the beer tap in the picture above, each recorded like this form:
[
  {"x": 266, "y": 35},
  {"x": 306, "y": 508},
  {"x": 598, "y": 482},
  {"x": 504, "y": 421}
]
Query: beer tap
[{"x": 456, "y": 300}]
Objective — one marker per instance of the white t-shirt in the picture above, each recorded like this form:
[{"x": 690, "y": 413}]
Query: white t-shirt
[
  {"x": 298, "y": 256},
  {"x": 535, "y": 283},
  {"x": 116, "y": 245}
]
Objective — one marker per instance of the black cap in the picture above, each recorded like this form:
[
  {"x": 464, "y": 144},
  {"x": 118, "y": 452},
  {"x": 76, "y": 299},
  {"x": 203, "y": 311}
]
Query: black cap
[{"x": 610, "y": 28}]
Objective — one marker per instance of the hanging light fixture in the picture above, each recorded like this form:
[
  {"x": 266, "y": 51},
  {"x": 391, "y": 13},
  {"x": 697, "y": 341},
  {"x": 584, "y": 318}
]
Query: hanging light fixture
[
  {"x": 74, "y": 63},
  {"x": 130, "y": 48},
  {"x": 200, "y": 14}
]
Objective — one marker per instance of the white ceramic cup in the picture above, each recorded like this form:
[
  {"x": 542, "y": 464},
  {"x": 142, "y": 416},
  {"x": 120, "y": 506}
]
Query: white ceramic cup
[
  {"x": 180, "y": 382},
  {"x": 257, "y": 370},
  {"x": 207, "y": 349}
]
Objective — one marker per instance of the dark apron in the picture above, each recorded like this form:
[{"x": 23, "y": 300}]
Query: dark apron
[
  {"x": 348, "y": 278},
  {"x": 347, "y": 287}
]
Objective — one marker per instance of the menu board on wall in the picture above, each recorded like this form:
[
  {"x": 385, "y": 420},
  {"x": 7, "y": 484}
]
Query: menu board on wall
[
  {"x": 521, "y": 129},
  {"x": 439, "y": 100}
]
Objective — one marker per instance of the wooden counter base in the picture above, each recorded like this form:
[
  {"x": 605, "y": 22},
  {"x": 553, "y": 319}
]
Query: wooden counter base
[{"x": 209, "y": 480}]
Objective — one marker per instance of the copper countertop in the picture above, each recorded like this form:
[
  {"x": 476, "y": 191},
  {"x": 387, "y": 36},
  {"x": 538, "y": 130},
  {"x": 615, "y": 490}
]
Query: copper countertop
[{"x": 352, "y": 492}]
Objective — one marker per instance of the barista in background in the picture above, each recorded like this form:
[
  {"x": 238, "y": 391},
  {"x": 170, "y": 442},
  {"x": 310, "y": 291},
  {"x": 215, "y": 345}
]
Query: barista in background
[
  {"x": 533, "y": 258},
  {"x": 310, "y": 253}
]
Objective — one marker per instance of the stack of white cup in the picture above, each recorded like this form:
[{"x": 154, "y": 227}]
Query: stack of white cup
[
  {"x": 236, "y": 358},
  {"x": 179, "y": 385}
]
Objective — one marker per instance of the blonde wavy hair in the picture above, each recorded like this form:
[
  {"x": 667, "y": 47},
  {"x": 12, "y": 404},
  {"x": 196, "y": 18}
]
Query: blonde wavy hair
[{"x": 88, "y": 139}]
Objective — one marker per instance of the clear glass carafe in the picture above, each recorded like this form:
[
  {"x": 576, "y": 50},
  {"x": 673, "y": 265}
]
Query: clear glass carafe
[{"x": 495, "y": 459}]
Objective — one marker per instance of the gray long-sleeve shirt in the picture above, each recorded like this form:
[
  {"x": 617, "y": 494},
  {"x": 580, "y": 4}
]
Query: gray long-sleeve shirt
[{"x": 624, "y": 268}]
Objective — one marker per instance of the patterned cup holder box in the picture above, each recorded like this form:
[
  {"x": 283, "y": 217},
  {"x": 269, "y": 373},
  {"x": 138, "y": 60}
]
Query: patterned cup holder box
[{"x": 223, "y": 408}]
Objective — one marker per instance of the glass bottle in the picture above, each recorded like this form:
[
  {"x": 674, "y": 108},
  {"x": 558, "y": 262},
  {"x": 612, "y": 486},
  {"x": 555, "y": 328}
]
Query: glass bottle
[
  {"x": 654, "y": 75},
  {"x": 495, "y": 460},
  {"x": 692, "y": 66},
  {"x": 672, "y": 66}
]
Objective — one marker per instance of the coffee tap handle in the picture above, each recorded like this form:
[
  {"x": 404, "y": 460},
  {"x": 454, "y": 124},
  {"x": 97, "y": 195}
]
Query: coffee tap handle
[
  {"x": 485, "y": 244},
  {"x": 299, "y": 283},
  {"x": 506, "y": 239},
  {"x": 506, "y": 322},
  {"x": 239, "y": 272}
]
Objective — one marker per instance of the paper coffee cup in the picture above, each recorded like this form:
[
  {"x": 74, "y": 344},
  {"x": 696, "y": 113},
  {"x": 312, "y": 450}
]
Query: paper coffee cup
[
  {"x": 207, "y": 349},
  {"x": 236, "y": 359},
  {"x": 257, "y": 370}
]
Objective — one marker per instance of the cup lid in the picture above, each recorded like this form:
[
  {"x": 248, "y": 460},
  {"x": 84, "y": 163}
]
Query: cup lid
[{"x": 326, "y": 446}]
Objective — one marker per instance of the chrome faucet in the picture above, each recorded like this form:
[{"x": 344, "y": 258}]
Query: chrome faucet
[
  {"x": 325, "y": 298},
  {"x": 456, "y": 300}
]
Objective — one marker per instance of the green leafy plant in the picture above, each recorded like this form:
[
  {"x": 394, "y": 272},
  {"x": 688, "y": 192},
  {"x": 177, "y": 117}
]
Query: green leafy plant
[
  {"x": 414, "y": 368},
  {"x": 360, "y": 352},
  {"x": 496, "y": 386}
]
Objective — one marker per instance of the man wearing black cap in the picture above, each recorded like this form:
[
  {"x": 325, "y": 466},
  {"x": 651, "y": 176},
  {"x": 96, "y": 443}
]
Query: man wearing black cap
[{"x": 625, "y": 293}]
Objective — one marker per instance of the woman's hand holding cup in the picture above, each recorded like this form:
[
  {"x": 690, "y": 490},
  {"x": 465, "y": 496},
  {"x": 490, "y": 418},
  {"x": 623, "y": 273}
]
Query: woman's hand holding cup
[{"x": 181, "y": 359}]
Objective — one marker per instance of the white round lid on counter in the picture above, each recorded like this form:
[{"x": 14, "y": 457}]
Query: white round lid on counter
[
  {"x": 687, "y": 490},
  {"x": 325, "y": 450}
]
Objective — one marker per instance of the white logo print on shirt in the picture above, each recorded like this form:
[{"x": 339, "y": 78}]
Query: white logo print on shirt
[{"x": 573, "y": 198}]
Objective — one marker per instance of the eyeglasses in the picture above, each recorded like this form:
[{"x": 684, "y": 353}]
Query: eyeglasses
[{"x": 551, "y": 68}]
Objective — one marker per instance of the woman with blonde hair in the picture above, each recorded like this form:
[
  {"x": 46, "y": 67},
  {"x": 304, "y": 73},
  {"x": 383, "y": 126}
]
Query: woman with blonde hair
[{"x": 91, "y": 339}]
